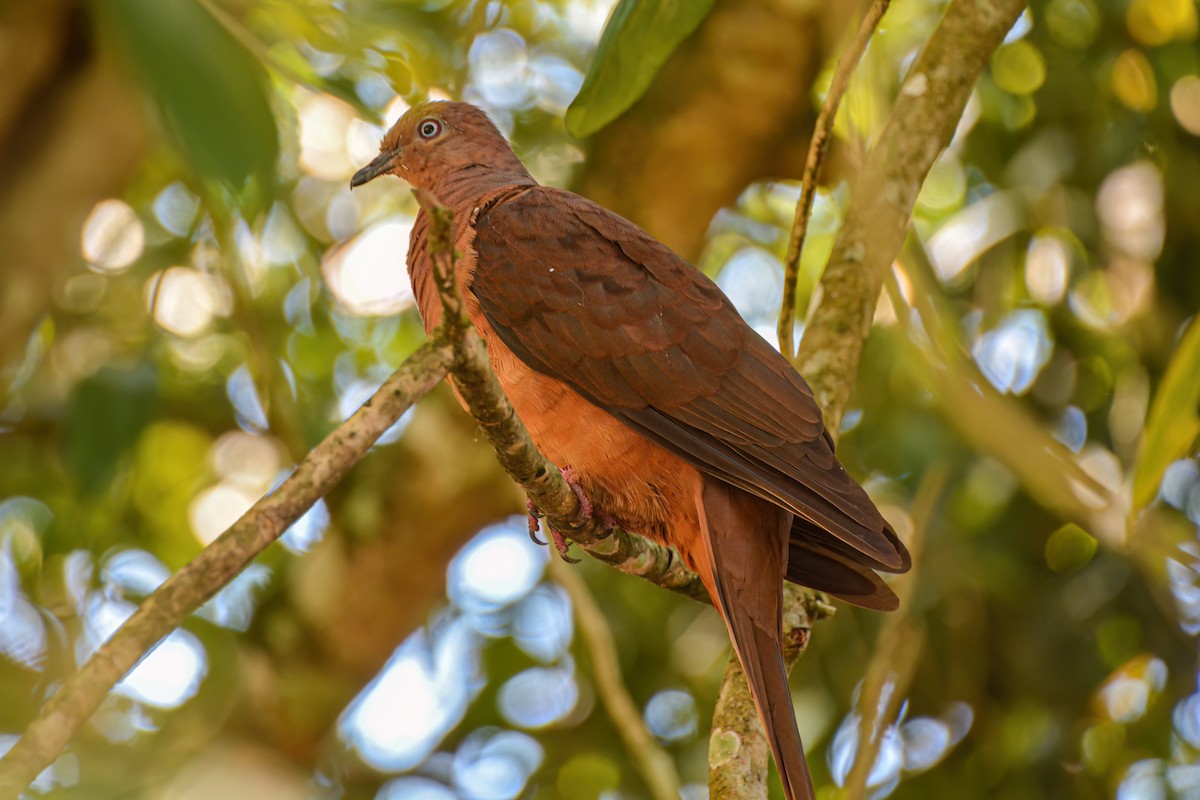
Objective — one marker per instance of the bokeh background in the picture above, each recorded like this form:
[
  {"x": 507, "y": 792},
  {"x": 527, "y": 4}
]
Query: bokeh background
[{"x": 191, "y": 298}]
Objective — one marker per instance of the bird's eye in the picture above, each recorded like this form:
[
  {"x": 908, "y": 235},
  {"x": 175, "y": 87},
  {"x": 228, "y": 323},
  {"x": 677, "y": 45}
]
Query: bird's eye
[{"x": 429, "y": 128}]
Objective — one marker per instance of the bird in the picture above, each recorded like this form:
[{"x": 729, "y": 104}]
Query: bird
[{"x": 634, "y": 373}]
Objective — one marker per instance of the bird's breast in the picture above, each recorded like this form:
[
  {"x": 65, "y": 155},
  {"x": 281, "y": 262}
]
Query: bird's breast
[{"x": 647, "y": 489}]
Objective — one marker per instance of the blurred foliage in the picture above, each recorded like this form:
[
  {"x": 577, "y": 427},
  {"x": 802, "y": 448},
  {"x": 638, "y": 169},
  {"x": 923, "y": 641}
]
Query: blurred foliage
[
  {"x": 638, "y": 38},
  {"x": 202, "y": 81},
  {"x": 1174, "y": 420},
  {"x": 235, "y": 301}
]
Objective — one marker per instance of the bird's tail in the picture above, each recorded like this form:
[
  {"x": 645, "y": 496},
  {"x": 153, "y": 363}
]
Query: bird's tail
[{"x": 745, "y": 539}]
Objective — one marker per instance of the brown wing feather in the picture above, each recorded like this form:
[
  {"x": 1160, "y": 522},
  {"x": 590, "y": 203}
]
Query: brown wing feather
[
  {"x": 816, "y": 560},
  {"x": 587, "y": 297}
]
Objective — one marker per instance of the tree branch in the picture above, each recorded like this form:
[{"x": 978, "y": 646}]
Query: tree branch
[
  {"x": 994, "y": 424},
  {"x": 818, "y": 146},
  {"x": 920, "y": 126},
  {"x": 217, "y": 564}
]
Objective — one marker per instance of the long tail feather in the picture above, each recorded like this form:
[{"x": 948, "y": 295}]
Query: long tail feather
[{"x": 745, "y": 540}]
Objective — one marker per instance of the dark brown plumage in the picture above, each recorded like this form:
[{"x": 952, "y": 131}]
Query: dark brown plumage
[{"x": 628, "y": 364}]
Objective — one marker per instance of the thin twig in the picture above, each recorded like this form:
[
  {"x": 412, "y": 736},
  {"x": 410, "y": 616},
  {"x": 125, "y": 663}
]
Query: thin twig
[
  {"x": 818, "y": 146},
  {"x": 217, "y": 565},
  {"x": 897, "y": 648},
  {"x": 651, "y": 760}
]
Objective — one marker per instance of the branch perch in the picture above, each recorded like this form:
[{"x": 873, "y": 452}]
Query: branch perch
[{"x": 918, "y": 129}]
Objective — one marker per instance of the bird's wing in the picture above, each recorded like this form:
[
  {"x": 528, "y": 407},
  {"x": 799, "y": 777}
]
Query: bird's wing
[{"x": 586, "y": 297}]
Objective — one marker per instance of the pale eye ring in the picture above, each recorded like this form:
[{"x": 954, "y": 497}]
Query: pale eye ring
[{"x": 428, "y": 128}]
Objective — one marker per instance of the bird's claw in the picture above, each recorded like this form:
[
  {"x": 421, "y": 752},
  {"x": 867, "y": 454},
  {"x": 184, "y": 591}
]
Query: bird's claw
[
  {"x": 608, "y": 524},
  {"x": 563, "y": 547},
  {"x": 534, "y": 525},
  {"x": 560, "y": 542}
]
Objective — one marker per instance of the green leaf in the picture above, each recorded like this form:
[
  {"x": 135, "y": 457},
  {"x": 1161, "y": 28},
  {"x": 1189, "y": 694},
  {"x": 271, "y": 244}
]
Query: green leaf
[
  {"x": 108, "y": 412},
  {"x": 636, "y": 42},
  {"x": 1069, "y": 548},
  {"x": 211, "y": 91},
  {"x": 1174, "y": 420}
]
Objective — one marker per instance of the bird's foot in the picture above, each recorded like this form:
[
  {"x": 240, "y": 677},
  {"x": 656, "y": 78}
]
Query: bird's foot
[
  {"x": 586, "y": 510},
  {"x": 585, "y": 503}
]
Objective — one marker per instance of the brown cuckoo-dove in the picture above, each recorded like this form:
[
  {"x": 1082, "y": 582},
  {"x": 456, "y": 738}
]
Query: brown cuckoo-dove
[{"x": 630, "y": 366}]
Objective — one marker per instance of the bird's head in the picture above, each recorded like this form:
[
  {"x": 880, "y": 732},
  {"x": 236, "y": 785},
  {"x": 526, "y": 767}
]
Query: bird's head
[{"x": 439, "y": 140}]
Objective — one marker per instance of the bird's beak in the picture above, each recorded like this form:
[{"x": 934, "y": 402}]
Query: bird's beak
[{"x": 381, "y": 165}]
